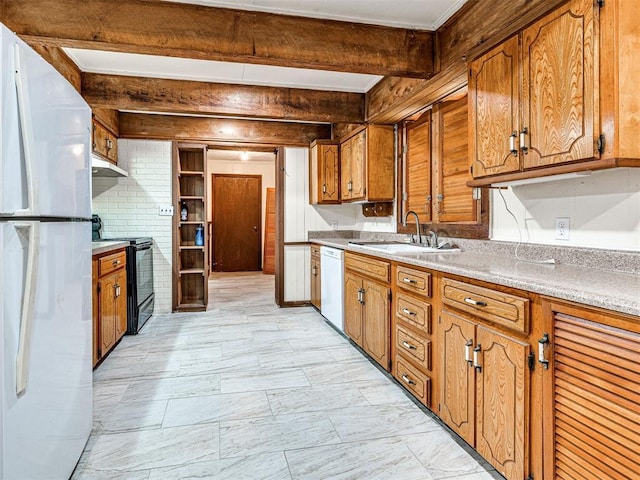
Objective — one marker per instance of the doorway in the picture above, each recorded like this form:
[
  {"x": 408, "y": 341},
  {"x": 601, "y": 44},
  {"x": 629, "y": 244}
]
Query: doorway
[{"x": 237, "y": 222}]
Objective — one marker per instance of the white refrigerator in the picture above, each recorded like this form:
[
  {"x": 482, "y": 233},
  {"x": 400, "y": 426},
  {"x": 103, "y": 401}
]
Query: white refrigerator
[{"x": 45, "y": 268}]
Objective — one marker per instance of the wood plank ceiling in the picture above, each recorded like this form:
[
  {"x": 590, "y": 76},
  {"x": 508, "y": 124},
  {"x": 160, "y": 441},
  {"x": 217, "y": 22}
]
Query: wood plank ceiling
[{"x": 415, "y": 71}]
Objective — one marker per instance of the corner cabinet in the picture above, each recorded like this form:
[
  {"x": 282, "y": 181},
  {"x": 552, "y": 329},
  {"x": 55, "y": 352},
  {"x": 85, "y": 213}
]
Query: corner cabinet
[
  {"x": 367, "y": 306},
  {"x": 104, "y": 142},
  {"x": 324, "y": 173},
  {"x": 190, "y": 239},
  {"x": 367, "y": 165},
  {"x": 556, "y": 97}
]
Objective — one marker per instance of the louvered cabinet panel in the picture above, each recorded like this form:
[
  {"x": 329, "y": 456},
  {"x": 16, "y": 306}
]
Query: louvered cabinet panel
[
  {"x": 454, "y": 200},
  {"x": 595, "y": 382},
  {"x": 417, "y": 169}
]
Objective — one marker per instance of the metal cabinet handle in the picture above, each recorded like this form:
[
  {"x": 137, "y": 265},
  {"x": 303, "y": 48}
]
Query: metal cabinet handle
[
  {"x": 410, "y": 281},
  {"x": 523, "y": 140},
  {"x": 116, "y": 289},
  {"x": 324, "y": 188},
  {"x": 467, "y": 352},
  {"x": 406, "y": 311},
  {"x": 406, "y": 344},
  {"x": 476, "y": 358},
  {"x": 361, "y": 295},
  {"x": 116, "y": 262},
  {"x": 475, "y": 303},
  {"x": 349, "y": 185},
  {"x": 109, "y": 144},
  {"x": 541, "y": 348},
  {"x": 314, "y": 270},
  {"x": 407, "y": 380},
  {"x": 513, "y": 148}
]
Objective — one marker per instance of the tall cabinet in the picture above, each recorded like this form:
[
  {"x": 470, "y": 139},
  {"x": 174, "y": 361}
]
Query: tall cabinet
[{"x": 190, "y": 241}]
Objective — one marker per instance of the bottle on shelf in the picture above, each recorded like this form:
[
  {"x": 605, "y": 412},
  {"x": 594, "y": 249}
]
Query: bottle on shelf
[
  {"x": 184, "y": 212},
  {"x": 199, "y": 235}
]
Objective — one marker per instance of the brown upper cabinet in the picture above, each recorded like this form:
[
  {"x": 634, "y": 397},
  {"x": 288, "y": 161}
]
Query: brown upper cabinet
[
  {"x": 555, "y": 98},
  {"x": 104, "y": 143},
  {"x": 367, "y": 165},
  {"x": 324, "y": 173},
  {"x": 435, "y": 169}
]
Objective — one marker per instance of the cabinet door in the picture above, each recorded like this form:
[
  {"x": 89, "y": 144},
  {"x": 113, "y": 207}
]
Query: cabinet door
[
  {"x": 457, "y": 404},
  {"x": 359, "y": 166},
  {"x": 502, "y": 392},
  {"x": 376, "y": 322},
  {"x": 417, "y": 168},
  {"x": 99, "y": 140},
  {"x": 558, "y": 86},
  {"x": 315, "y": 282},
  {"x": 346, "y": 183},
  {"x": 493, "y": 110},
  {"x": 107, "y": 312},
  {"x": 454, "y": 200},
  {"x": 112, "y": 147},
  {"x": 353, "y": 307},
  {"x": 329, "y": 174},
  {"x": 120, "y": 300}
]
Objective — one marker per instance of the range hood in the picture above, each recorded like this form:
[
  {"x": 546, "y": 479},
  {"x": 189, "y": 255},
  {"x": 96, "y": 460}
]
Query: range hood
[{"x": 102, "y": 168}]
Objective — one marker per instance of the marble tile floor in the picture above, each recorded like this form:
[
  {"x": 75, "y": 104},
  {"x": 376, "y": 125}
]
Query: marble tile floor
[{"x": 250, "y": 391}]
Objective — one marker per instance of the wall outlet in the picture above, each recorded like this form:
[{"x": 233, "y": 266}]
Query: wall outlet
[
  {"x": 563, "y": 227},
  {"x": 334, "y": 225},
  {"x": 166, "y": 211}
]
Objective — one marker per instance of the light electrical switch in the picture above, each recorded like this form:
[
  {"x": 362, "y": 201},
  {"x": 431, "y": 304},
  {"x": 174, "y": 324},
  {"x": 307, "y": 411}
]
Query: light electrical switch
[
  {"x": 166, "y": 211},
  {"x": 563, "y": 227}
]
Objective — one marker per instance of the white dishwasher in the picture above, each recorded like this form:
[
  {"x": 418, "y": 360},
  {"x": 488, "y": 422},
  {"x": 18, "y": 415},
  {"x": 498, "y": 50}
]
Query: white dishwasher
[{"x": 332, "y": 285}]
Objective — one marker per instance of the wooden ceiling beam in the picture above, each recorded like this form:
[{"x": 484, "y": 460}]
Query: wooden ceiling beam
[
  {"x": 220, "y": 130},
  {"x": 208, "y": 33},
  {"x": 189, "y": 97}
]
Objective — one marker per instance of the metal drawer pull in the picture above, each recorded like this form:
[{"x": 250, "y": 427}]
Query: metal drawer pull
[
  {"x": 406, "y": 344},
  {"x": 314, "y": 270},
  {"x": 406, "y": 311},
  {"x": 475, "y": 303},
  {"x": 541, "y": 343},
  {"x": 467, "y": 352},
  {"x": 116, "y": 262},
  {"x": 116, "y": 289},
  {"x": 476, "y": 358},
  {"x": 407, "y": 380},
  {"x": 523, "y": 140},
  {"x": 512, "y": 143},
  {"x": 410, "y": 280}
]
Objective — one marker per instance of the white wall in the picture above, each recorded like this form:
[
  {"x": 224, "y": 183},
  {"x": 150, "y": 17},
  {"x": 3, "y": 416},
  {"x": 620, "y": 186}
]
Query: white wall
[
  {"x": 604, "y": 211},
  {"x": 266, "y": 169},
  {"x": 129, "y": 206}
]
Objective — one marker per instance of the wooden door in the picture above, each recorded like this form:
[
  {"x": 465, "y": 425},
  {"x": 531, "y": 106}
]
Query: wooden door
[
  {"x": 493, "y": 110},
  {"x": 237, "y": 220},
  {"x": 359, "y": 166},
  {"x": 377, "y": 322},
  {"x": 502, "y": 393},
  {"x": 592, "y": 396},
  {"x": 346, "y": 183},
  {"x": 559, "y": 92},
  {"x": 120, "y": 301},
  {"x": 353, "y": 307},
  {"x": 108, "y": 312},
  {"x": 329, "y": 173},
  {"x": 417, "y": 168},
  {"x": 457, "y": 404},
  {"x": 269, "y": 261},
  {"x": 454, "y": 200}
]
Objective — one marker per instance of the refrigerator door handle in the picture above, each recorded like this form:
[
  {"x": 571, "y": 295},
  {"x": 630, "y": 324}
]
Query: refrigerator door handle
[
  {"x": 24, "y": 115},
  {"x": 31, "y": 230}
]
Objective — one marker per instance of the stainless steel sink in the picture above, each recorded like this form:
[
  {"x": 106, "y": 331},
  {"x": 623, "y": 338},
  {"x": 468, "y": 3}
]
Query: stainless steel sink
[{"x": 402, "y": 248}]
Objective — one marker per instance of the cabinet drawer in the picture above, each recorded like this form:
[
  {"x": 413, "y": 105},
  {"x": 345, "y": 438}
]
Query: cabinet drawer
[
  {"x": 368, "y": 266},
  {"x": 110, "y": 263},
  {"x": 417, "y": 383},
  {"x": 501, "y": 308},
  {"x": 413, "y": 280},
  {"x": 414, "y": 312},
  {"x": 414, "y": 347}
]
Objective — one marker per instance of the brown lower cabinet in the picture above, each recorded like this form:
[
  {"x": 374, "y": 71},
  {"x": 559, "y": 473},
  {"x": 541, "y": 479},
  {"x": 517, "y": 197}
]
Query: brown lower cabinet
[
  {"x": 367, "y": 306},
  {"x": 315, "y": 276},
  {"x": 541, "y": 388},
  {"x": 109, "y": 302}
]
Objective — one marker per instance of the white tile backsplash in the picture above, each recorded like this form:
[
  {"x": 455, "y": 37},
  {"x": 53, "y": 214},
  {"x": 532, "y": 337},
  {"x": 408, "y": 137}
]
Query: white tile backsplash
[{"x": 129, "y": 206}]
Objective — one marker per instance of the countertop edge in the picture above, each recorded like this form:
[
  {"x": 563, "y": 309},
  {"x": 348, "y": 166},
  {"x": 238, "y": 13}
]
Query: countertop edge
[
  {"x": 100, "y": 248},
  {"x": 608, "y": 301}
]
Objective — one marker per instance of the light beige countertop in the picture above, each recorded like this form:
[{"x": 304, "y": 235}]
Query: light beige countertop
[
  {"x": 612, "y": 290},
  {"x": 99, "y": 248}
]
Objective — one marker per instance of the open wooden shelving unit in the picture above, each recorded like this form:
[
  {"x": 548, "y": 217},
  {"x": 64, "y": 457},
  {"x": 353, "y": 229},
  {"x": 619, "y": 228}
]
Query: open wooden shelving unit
[{"x": 191, "y": 271}]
